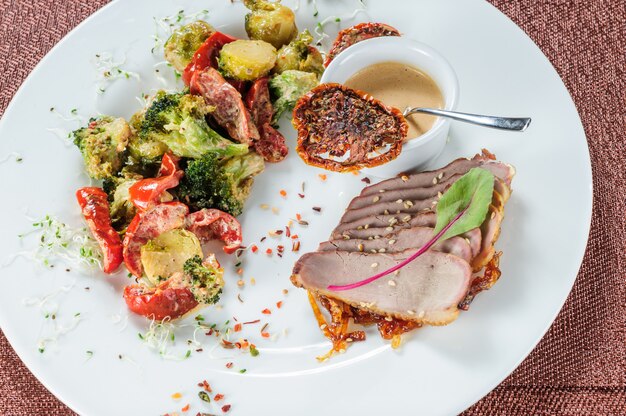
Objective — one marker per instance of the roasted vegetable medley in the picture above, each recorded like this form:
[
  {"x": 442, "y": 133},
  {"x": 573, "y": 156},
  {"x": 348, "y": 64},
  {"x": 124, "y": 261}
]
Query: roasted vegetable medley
[{"x": 179, "y": 171}]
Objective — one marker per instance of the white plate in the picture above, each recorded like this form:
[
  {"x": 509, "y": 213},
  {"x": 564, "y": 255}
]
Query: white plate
[{"x": 437, "y": 371}]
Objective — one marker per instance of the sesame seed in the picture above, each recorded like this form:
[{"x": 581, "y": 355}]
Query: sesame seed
[
  {"x": 366, "y": 226},
  {"x": 422, "y": 314},
  {"x": 376, "y": 199},
  {"x": 396, "y": 272},
  {"x": 346, "y": 237},
  {"x": 493, "y": 214},
  {"x": 391, "y": 283},
  {"x": 264, "y": 206},
  {"x": 399, "y": 201},
  {"x": 388, "y": 318},
  {"x": 440, "y": 175},
  {"x": 376, "y": 237},
  {"x": 360, "y": 227},
  {"x": 373, "y": 251},
  {"x": 389, "y": 229},
  {"x": 439, "y": 194},
  {"x": 370, "y": 238},
  {"x": 381, "y": 191},
  {"x": 435, "y": 180},
  {"x": 406, "y": 219},
  {"x": 382, "y": 250},
  {"x": 404, "y": 178},
  {"x": 349, "y": 340},
  {"x": 467, "y": 239},
  {"x": 410, "y": 312},
  {"x": 323, "y": 326},
  {"x": 374, "y": 265},
  {"x": 392, "y": 242},
  {"x": 360, "y": 247}
]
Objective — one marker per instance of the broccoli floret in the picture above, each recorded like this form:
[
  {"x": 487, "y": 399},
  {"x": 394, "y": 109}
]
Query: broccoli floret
[
  {"x": 143, "y": 150},
  {"x": 204, "y": 278},
  {"x": 184, "y": 42},
  {"x": 300, "y": 56},
  {"x": 121, "y": 209},
  {"x": 286, "y": 88},
  {"x": 225, "y": 185},
  {"x": 178, "y": 121},
  {"x": 103, "y": 145}
]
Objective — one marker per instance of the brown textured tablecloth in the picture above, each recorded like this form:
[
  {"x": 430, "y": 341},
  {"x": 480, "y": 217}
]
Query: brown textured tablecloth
[{"x": 579, "y": 368}]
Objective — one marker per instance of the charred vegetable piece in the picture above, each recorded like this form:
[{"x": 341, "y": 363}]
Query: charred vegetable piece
[
  {"x": 287, "y": 88},
  {"x": 178, "y": 121},
  {"x": 271, "y": 22},
  {"x": 247, "y": 60},
  {"x": 230, "y": 112},
  {"x": 164, "y": 301},
  {"x": 300, "y": 56},
  {"x": 206, "y": 55},
  {"x": 213, "y": 183},
  {"x": 271, "y": 144},
  {"x": 342, "y": 129},
  {"x": 147, "y": 226},
  {"x": 184, "y": 42},
  {"x": 211, "y": 224},
  {"x": 95, "y": 207},
  {"x": 356, "y": 34},
  {"x": 148, "y": 192},
  {"x": 103, "y": 143},
  {"x": 121, "y": 208}
]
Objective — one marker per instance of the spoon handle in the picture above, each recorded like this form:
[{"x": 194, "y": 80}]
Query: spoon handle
[{"x": 503, "y": 123}]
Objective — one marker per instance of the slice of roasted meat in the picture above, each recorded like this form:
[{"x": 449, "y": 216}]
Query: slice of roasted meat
[
  {"x": 271, "y": 143},
  {"x": 358, "y": 33},
  {"x": 388, "y": 222},
  {"x": 342, "y": 129},
  {"x": 230, "y": 112}
]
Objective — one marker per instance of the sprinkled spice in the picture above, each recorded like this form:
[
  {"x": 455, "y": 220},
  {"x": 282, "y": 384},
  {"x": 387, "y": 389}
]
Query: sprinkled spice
[
  {"x": 265, "y": 334},
  {"x": 322, "y": 176},
  {"x": 243, "y": 370},
  {"x": 268, "y": 251},
  {"x": 254, "y": 248},
  {"x": 204, "y": 396},
  {"x": 226, "y": 407},
  {"x": 177, "y": 396},
  {"x": 218, "y": 397},
  {"x": 294, "y": 237},
  {"x": 285, "y": 291},
  {"x": 264, "y": 206},
  {"x": 263, "y": 239},
  {"x": 283, "y": 193},
  {"x": 287, "y": 231},
  {"x": 298, "y": 217},
  {"x": 317, "y": 209},
  {"x": 256, "y": 321},
  {"x": 185, "y": 408},
  {"x": 366, "y": 180},
  {"x": 275, "y": 210},
  {"x": 240, "y": 283},
  {"x": 239, "y": 298},
  {"x": 295, "y": 246},
  {"x": 253, "y": 351},
  {"x": 279, "y": 304},
  {"x": 229, "y": 365},
  {"x": 301, "y": 195},
  {"x": 237, "y": 327},
  {"x": 266, "y": 311}
]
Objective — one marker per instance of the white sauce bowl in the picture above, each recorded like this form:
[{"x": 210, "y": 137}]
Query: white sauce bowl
[{"x": 416, "y": 151}]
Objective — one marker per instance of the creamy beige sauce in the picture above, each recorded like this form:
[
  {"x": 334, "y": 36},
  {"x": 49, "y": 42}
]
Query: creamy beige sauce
[{"x": 399, "y": 85}]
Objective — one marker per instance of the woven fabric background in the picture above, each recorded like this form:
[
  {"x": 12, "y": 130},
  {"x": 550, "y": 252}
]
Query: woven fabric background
[{"x": 579, "y": 368}]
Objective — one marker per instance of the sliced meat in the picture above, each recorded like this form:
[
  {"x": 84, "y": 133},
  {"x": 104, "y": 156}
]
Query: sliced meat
[
  {"x": 390, "y": 208},
  {"x": 271, "y": 144},
  {"x": 427, "y": 290},
  {"x": 420, "y": 219},
  {"x": 461, "y": 166},
  {"x": 147, "y": 226},
  {"x": 356, "y": 34},
  {"x": 230, "y": 112},
  {"x": 490, "y": 230},
  {"x": 342, "y": 129},
  {"x": 407, "y": 239}
]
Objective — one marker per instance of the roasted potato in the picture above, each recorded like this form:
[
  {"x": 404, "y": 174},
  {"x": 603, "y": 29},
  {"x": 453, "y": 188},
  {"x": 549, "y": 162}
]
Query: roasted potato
[
  {"x": 247, "y": 60},
  {"x": 270, "y": 22}
]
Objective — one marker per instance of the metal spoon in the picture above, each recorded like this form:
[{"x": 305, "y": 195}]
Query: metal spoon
[{"x": 502, "y": 123}]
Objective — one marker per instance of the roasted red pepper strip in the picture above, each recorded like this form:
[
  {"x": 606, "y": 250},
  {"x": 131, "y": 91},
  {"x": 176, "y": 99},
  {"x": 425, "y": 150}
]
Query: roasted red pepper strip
[
  {"x": 147, "y": 192},
  {"x": 95, "y": 207},
  {"x": 148, "y": 225},
  {"x": 209, "y": 224},
  {"x": 206, "y": 55},
  {"x": 160, "y": 302}
]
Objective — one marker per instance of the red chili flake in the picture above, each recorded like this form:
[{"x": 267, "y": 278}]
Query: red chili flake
[
  {"x": 317, "y": 209},
  {"x": 268, "y": 251},
  {"x": 265, "y": 334},
  {"x": 366, "y": 180},
  {"x": 184, "y": 409},
  {"x": 298, "y": 216},
  {"x": 301, "y": 195},
  {"x": 225, "y": 408},
  {"x": 229, "y": 365},
  {"x": 322, "y": 176},
  {"x": 254, "y": 248},
  {"x": 227, "y": 344},
  {"x": 296, "y": 246},
  {"x": 240, "y": 271},
  {"x": 256, "y": 321},
  {"x": 279, "y": 304},
  {"x": 280, "y": 248},
  {"x": 294, "y": 237},
  {"x": 237, "y": 327},
  {"x": 288, "y": 231},
  {"x": 238, "y": 345},
  {"x": 207, "y": 386},
  {"x": 218, "y": 397},
  {"x": 283, "y": 193},
  {"x": 266, "y": 311}
]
